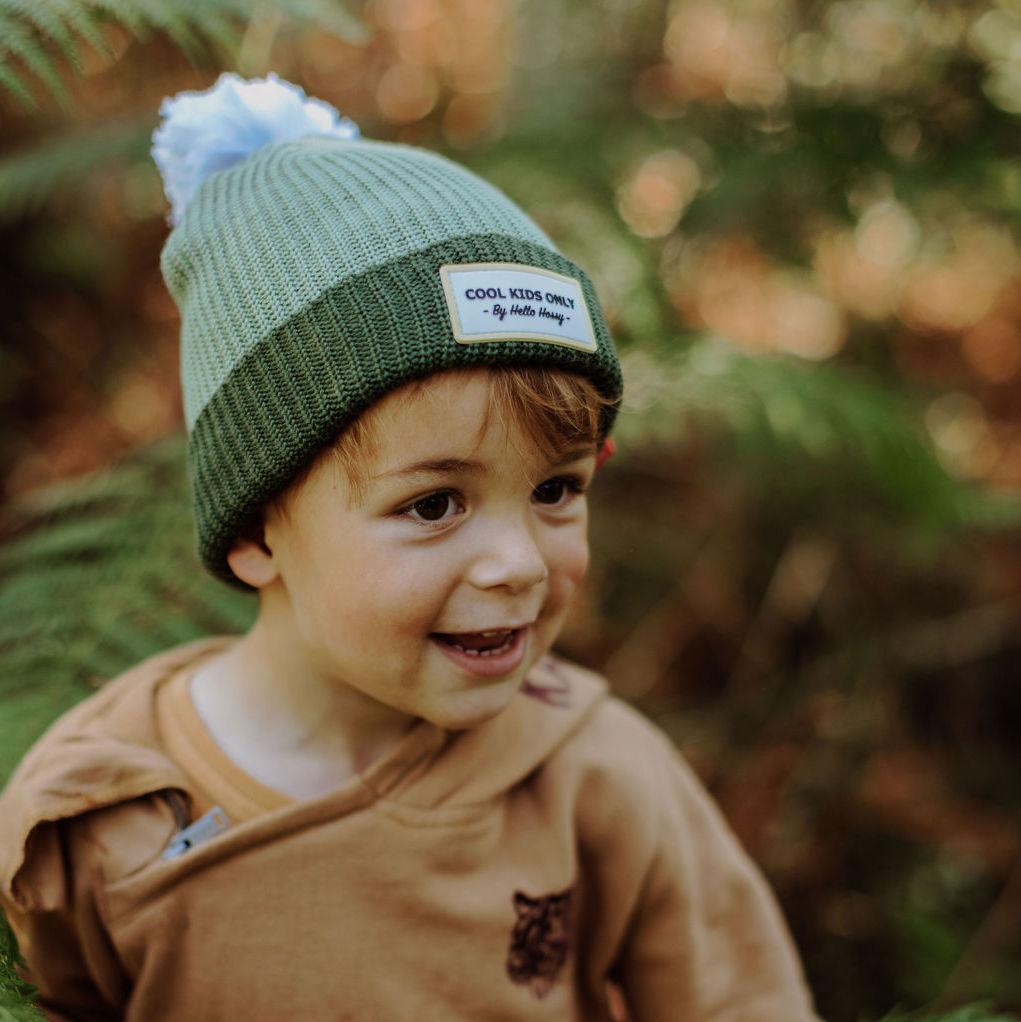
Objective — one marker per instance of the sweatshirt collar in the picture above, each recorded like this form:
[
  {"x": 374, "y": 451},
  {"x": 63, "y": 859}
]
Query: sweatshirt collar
[{"x": 107, "y": 750}]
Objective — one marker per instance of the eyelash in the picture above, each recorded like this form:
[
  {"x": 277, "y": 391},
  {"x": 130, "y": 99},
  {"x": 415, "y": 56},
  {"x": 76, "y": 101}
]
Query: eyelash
[{"x": 574, "y": 486}]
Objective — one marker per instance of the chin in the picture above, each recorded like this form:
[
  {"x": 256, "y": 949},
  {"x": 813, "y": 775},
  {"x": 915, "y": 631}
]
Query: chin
[{"x": 470, "y": 709}]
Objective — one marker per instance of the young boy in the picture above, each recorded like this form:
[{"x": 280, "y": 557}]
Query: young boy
[{"x": 387, "y": 800}]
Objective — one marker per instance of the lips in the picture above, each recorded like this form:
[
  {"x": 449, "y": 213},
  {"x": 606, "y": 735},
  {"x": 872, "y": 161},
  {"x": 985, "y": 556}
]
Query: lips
[
  {"x": 489, "y": 654},
  {"x": 489, "y": 643}
]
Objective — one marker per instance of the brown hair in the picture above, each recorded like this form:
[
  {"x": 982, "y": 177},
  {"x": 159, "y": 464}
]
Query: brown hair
[{"x": 555, "y": 411}]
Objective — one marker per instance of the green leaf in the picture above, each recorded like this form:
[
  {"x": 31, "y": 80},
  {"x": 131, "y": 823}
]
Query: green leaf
[
  {"x": 10, "y": 81},
  {"x": 327, "y": 14},
  {"x": 121, "y": 12},
  {"x": 28, "y": 178},
  {"x": 15, "y": 993},
  {"x": 81, "y": 19},
  {"x": 178, "y": 20},
  {"x": 982, "y": 1012},
  {"x": 18, "y": 42},
  {"x": 34, "y": 32},
  {"x": 807, "y": 434},
  {"x": 50, "y": 24},
  {"x": 122, "y": 542}
]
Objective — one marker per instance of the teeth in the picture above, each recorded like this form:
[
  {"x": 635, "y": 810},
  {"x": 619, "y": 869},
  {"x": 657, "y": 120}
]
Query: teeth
[{"x": 488, "y": 652}]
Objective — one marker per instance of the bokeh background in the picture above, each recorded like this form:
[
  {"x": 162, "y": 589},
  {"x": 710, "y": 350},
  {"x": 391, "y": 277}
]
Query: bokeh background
[{"x": 802, "y": 219}]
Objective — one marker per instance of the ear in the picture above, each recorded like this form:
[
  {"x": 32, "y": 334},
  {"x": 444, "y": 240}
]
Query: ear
[
  {"x": 251, "y": 559},
  {"x": 606, "y": 451}
]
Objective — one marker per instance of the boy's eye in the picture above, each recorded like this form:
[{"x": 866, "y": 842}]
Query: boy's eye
[
  {"x": 558, "y": 490},
  {"x": 434, "y": 507},
  {"x": 443, "y": 505}
]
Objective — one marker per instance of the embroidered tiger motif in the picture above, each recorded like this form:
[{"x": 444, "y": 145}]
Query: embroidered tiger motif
[{"x": 540, "y": 940}]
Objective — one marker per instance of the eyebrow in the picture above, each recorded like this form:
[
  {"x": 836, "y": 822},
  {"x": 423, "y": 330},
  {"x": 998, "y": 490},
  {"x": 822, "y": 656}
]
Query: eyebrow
[{"x": 444, "y": 466}]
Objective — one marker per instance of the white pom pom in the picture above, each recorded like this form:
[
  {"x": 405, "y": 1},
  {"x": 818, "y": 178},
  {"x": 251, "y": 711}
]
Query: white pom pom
[{"x": 203, "y": 132}]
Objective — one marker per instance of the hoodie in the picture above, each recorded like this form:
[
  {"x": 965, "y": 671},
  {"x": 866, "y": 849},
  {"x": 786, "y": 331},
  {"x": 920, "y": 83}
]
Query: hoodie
[{"x": 508, "y": 872}]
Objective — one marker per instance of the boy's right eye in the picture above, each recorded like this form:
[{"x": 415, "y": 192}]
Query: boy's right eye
[{"x": 432, "y": 508}]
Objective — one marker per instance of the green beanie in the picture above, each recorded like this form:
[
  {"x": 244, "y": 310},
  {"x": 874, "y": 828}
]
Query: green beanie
[{"x": 316, "y": 274}]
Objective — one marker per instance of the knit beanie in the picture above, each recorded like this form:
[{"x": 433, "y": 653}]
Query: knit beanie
[{"x": 315, "y": 271}]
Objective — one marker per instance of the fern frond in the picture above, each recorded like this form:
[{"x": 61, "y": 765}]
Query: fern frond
[
  {"x": 809, "y": 436},
  {"x": 28, "y": 178},
  {"x": 35, "y": 31},
  {"x": 19, "y": 43},
  {"x": 125, "y": 14},
  {"x": 15, "y": 993},
  {"x": 79, "y": 20},
  {"x": 222, "y": 32},
  {"x": 982, "y": 1012},
  {"x": 333, "y": 17},
  {"x": 14, "y": 85},
  {"x": 177, "y": 20},
  {"x": 51, "y": 25},
  {"x": 98, "y": 574}
]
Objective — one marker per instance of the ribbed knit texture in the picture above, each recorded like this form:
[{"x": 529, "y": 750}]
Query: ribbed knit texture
[{"x": 307, "y": 277}]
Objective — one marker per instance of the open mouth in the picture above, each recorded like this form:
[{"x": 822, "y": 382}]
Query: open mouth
[
  {"x": 490, "y": 654},
  {"x": 480, "y": 644}
]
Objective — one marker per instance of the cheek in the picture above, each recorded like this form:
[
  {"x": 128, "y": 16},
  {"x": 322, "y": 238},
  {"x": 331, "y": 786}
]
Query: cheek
[
  {"x": 402, "y": 594},
  {"x": 570, "y": 557}
]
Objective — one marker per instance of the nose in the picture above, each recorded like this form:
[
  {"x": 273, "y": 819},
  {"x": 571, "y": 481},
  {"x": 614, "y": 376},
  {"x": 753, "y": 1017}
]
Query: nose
[{"x": 508, "y": 558}]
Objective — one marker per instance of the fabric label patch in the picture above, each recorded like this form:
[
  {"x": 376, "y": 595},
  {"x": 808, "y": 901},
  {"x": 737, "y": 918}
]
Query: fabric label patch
[{"x": 511, "y": 301}]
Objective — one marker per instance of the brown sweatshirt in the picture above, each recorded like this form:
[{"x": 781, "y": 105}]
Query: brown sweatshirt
[{"x": 507, "y": 872}]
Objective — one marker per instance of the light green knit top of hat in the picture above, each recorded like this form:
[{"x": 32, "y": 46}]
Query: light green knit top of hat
[{"x": 308, "y": 277}]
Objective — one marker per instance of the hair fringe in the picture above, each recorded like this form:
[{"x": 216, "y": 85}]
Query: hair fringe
[{"x": 554, "y": 411}]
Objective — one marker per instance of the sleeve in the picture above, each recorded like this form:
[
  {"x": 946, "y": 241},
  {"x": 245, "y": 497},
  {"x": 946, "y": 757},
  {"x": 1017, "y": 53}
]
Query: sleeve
[
  {"x": 707, "y": 941},
  {"x": 60, "y": 936}
]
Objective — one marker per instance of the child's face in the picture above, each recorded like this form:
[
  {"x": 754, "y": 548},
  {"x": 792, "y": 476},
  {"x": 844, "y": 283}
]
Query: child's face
[{"x": 461, "y": 528}]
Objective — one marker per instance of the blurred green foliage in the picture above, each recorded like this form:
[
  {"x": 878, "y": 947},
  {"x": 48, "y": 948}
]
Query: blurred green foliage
[
  {"x": 126, "y": 531},
  {"x": 15, "y": 993},
  {"x": 972, "y": 1013},
  {"x": 36, "y": 37}
]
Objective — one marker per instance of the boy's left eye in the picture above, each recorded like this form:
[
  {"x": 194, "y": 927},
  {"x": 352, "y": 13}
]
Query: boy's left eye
[{"x": 558, "y": 490}]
